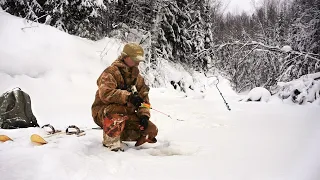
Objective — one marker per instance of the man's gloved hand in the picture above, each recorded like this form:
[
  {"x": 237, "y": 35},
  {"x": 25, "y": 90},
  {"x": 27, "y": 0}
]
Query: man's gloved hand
[
  {"x": 144, "y": 122},
  {"x": 135, "y": 99}
]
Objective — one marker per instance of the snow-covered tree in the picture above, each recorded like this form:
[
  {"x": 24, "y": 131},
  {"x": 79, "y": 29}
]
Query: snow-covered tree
[
  {"x": 201, "y": 31},
  {"x": 77, "y": 17},
  {"x": 173, "y": 39},
  {"x": 29, "y": 9},
  {"x": 305, "y": 30},
  {"x": 304, "y": 36}
]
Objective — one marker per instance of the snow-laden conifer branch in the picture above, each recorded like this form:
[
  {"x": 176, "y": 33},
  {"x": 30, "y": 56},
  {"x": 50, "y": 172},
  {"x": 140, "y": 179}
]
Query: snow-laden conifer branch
[{"x": 267, "y": 48}]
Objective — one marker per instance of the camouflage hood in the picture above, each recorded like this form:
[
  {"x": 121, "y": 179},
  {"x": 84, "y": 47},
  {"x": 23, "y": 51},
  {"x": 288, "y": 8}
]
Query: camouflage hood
[{"x": 129, "y": 73}]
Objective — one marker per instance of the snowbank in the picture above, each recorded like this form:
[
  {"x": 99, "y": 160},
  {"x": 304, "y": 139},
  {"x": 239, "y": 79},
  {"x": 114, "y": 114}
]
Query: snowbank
[
  {"x": 304, "y": 90},
  {"x": 56, "y": 69}
]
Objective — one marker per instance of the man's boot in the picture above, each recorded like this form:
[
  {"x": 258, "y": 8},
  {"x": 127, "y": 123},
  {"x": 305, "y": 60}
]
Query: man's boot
[
  {"x": 148, "y": 135},
  {"x": 143, "y": 139},
  {"x": 112, "y": 143}
]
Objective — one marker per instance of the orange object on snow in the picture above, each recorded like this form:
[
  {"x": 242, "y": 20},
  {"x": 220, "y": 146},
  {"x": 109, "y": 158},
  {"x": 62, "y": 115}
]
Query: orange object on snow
[{"x": 4, "y": 138}]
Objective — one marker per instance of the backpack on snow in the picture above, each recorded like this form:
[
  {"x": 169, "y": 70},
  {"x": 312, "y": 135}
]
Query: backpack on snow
[{"x": 15, "y": 110}]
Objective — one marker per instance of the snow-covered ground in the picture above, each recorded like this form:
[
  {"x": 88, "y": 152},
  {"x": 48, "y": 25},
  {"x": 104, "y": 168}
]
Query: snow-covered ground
[{"x": 254, "y": 141}]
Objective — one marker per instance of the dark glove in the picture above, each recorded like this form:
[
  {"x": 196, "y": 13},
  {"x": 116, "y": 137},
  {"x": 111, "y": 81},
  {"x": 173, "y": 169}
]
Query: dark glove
[
  {"x": 144, "y": 122},
  {"x": 135, "y": 99}
]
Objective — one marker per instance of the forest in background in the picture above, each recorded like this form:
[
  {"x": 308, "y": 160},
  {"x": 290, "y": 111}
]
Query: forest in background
[{"x": 279, "y": 42}]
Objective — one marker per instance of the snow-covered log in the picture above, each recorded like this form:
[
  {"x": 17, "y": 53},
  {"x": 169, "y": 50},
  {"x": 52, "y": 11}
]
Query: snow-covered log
[{"x": 302, "y": 90}]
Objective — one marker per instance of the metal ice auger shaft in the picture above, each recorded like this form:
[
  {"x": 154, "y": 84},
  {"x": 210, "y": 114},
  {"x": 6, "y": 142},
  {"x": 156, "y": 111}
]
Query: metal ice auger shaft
[{"x": 225, "y": 102}]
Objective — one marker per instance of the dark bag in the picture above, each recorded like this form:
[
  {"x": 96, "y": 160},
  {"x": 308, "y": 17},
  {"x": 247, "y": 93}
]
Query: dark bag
[{"x": 15, "y": 110}]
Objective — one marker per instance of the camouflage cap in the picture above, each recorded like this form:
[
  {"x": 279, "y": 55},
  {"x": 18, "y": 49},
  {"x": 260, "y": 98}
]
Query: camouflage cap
[{"x": 134, "y": 51}]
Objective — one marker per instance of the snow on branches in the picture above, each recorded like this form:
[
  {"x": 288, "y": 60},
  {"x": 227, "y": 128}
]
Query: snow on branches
[{"x": 254, "y": 64}]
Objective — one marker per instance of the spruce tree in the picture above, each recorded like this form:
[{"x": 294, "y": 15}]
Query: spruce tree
[{"x": 29, "y": 9}]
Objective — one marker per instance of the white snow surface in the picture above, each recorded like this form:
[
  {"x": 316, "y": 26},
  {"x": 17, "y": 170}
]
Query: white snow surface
[{"x": 253, "y": 141}]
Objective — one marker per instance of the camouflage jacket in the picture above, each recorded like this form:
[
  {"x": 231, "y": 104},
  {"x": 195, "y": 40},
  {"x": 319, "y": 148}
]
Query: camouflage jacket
[{"x": 112, "y": 94}]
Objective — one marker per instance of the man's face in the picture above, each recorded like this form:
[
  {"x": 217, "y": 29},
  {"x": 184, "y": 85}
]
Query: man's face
[{"x": 131, "y": 63}]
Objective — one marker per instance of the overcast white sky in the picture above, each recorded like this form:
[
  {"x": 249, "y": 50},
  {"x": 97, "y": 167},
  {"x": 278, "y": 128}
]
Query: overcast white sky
[{"x": 237, "y": 6}]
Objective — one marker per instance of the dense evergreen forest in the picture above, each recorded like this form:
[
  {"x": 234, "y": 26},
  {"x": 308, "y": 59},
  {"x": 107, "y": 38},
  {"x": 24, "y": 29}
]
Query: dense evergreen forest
[{"x": 280, "y": 41}]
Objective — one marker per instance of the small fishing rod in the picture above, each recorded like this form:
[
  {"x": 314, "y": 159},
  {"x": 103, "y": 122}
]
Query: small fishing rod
[{"x": 149, "y": 107}]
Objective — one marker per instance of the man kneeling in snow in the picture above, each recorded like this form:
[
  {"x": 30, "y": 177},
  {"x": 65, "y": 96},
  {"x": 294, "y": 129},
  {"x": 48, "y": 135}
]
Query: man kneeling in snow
[{"x": 121, "y": 102}]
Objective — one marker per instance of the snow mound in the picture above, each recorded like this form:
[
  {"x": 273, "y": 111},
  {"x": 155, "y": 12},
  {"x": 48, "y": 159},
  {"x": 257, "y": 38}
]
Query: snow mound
[
  {"x": 286, "y": 48},
  {"x": 258, "y": 94}
]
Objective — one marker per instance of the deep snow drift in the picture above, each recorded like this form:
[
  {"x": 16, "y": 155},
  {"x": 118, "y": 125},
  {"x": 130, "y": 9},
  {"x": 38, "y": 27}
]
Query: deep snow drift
[{"x": 266, "y": 141}]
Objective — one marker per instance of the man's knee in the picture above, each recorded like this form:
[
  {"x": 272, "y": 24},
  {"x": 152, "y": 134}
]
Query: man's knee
[
  {"x": 98, "y": 122},
  {"x": 110, "y": 109},
  {"x": 99, "y": 118}
]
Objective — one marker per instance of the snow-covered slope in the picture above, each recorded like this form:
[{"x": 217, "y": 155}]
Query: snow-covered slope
[
  {"x": 265, "y": 141},
  {"x": 56, "y": 69}
]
